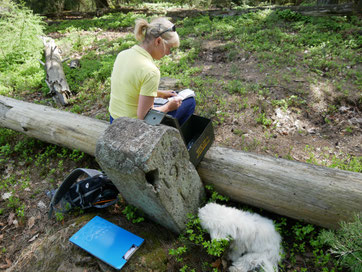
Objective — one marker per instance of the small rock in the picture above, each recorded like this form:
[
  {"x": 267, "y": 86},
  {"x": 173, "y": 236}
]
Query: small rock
[
  {"x": 11, "y": 218},
  {"x": 31, "y": 222},
  {"x": 216, "y": 264},
  {"x": 74, "y": 63},
  {"x": 6, "y": 196},
  {"x": 311, "y": 131},
  {"x": 41, "y": 205},
  {"x": 343, "y": 109},
  {"x": 33, "y": 238},
  {"x": 356, "y": 121}
]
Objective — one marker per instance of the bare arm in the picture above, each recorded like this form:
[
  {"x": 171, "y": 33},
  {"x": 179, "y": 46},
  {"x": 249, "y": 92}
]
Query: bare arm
[
  {"x": 165, "y": 93},
  {"x": 145, "y": 103}
]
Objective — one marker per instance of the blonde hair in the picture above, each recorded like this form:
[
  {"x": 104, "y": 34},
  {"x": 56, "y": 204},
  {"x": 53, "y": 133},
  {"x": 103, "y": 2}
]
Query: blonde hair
[{"x": 145, "y": 31}]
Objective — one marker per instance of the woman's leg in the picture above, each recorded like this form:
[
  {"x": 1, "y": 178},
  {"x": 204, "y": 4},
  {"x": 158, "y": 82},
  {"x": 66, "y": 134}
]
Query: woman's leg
[{"x": 186, "y": 109}]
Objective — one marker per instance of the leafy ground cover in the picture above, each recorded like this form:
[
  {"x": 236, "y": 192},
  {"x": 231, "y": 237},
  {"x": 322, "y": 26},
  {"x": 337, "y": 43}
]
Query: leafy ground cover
[{"x": 273, "y": 82}]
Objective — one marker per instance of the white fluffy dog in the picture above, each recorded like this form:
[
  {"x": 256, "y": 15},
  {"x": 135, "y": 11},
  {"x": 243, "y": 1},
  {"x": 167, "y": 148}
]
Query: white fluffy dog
[{"x": 255, "y": 242}]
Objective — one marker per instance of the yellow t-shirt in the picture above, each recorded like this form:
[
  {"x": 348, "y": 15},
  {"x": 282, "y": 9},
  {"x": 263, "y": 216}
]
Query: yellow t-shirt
[{"x": 134, "y": 73}]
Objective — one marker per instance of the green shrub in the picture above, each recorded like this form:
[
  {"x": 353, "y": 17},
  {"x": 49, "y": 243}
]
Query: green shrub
[
  {"x": 236, "y": 86},
  {"x": 20, "y": 30},
  {"x": 346, "y": 243},
  {"x": 108, "y": 21},
  {"x": 21, "y": 47},
  {"x": 290, "y": 16}
]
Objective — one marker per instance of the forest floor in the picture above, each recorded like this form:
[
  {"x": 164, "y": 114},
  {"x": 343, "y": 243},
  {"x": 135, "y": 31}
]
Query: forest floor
[{"x": 292, "y": 111}]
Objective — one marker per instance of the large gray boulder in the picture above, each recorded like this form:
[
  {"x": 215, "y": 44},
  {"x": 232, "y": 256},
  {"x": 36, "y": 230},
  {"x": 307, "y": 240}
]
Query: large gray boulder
[{"x": 150, "y": 166}]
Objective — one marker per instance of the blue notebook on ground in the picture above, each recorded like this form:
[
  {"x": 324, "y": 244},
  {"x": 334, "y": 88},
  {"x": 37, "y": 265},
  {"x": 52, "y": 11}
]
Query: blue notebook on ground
[{"x": 107, "y": 241}]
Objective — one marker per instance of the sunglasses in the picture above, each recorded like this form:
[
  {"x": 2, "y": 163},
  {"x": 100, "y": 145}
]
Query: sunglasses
[{"x": 171, "y": 29}]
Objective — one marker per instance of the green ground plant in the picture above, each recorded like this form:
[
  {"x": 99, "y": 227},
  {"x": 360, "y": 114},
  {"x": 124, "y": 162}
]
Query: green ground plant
[
  {"x": 263, "y": 120},
  {"x": 133, "y": 214},
  {"x": 17, "y": 151},
  {"x": 341, "y": 161},
  {"x": 194, "y": 236},
  {"x": 346, "y": 243}
]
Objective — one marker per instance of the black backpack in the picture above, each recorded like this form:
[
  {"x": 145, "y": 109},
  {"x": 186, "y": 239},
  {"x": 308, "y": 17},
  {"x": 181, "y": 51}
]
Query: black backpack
[{"x": 95, "y": 191}]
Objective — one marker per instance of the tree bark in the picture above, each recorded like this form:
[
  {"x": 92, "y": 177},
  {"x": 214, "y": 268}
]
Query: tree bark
[
  {"x": 55, "y": 78},
  {"x": 315, "y": 194}
]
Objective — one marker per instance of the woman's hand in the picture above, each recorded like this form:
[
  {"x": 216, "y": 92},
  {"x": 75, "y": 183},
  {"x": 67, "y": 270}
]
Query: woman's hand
[
  {"x": 174, "y": 104},
  {"x": 166, "y": 93},
  {"x": 145, "y": 103}
]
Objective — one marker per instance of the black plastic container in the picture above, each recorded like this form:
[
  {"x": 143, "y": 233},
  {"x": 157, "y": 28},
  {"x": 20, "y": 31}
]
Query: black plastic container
[{"x": 197, "y": 132}]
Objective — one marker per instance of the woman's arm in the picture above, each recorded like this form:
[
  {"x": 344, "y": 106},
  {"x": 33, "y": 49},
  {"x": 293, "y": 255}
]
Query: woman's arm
[
  {"x": 145, "y": 103},
  {"x": 166, "y": 94}
]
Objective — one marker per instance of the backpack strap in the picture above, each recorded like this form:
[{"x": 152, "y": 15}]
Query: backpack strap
[
  {"x": 67, "y": 183},
  {"x": 81, "y": 196}
]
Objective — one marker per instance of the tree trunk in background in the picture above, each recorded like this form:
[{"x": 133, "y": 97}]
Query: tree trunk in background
[
  {"x": 101, "y": 4},
  {"x": 327, "y": 2}
]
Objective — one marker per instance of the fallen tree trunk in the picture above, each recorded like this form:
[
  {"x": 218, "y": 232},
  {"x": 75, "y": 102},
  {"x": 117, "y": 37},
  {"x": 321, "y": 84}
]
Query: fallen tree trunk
[
  {"x": 315, "y": 194},
  {"x": 319, "y": 195},
  {"x": 51, "y": 125},
  {"x": 55, "y": 78}
]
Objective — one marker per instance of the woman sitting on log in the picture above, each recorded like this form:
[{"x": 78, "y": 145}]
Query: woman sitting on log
[{"x": 135, "y": 77}]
